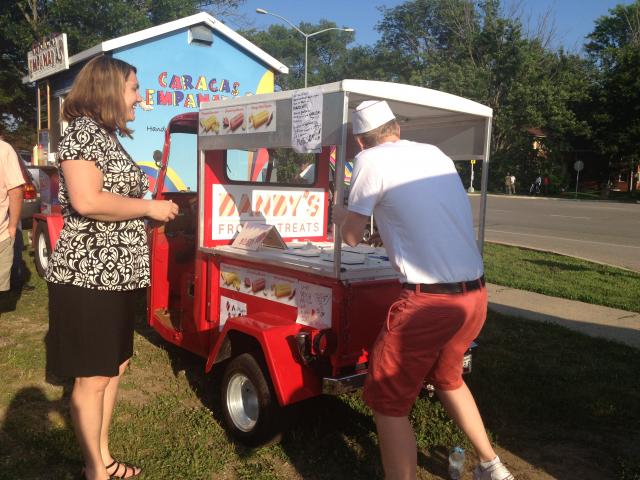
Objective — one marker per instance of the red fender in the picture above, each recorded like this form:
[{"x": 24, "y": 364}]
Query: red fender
[
  {"x": 54, "y": 222},
  {"x": 291, "y": 380}
]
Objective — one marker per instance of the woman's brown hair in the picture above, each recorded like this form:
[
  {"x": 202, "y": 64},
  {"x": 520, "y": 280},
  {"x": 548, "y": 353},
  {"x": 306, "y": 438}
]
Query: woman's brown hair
[{"x": 98, "y": 93}]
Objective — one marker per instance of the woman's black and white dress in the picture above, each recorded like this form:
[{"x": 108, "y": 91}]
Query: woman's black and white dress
[{"x": 97, "y": 267}]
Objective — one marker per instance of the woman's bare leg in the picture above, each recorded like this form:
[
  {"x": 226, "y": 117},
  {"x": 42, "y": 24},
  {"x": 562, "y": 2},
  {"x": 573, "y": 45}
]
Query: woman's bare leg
[
  {"x": 86, "y": 407},
  {"x": 110, "y": 395}
]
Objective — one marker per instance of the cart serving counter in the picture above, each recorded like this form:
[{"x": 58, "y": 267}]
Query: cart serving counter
[{"x": 250, "y": 275}]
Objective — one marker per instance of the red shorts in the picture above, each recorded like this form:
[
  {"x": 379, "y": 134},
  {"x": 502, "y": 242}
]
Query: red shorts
[{"x": 425, "y": 338}]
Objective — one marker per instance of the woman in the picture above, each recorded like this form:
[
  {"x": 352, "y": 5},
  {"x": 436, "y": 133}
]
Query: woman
[{"x": 101, "y": 259}]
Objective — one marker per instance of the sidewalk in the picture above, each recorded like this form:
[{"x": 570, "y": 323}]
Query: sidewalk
[{"x": 594, "y": 320}]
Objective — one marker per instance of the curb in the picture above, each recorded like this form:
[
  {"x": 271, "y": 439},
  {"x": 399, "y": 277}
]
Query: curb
[{"x": 593, "y": 320}]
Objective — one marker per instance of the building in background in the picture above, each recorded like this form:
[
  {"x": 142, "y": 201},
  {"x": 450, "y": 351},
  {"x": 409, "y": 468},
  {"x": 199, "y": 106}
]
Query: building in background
[{"x": 180, "y": 65}]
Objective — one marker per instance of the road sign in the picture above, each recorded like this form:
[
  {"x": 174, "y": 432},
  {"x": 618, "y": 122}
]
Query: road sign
[
  {"x": 578, "y": 165},
  {"x": 473, "y": 162}
]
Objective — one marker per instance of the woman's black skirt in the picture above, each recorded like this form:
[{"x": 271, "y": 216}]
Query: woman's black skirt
[{"x": 90, "y": 331}]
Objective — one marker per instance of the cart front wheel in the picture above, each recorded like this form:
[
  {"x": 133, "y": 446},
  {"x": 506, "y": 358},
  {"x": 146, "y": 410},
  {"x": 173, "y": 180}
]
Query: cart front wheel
[
  {"x": 251, "y": 411},
  {"x": 42, "y": 248}
]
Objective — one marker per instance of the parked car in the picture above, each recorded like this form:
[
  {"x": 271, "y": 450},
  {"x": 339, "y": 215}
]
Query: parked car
[{"x": 25, "y": 156}]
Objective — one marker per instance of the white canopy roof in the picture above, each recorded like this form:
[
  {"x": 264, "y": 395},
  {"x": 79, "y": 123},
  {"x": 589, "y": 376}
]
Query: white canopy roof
[
  {"x": 409, "y": 94},
  {"x": 456, "y": 125}
]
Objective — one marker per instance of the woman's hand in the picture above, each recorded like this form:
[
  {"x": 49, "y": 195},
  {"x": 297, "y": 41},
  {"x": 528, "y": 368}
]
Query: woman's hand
[{"x": 162, "y": 210}]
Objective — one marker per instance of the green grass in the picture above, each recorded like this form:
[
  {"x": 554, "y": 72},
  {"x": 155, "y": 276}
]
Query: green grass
[
  {"x": 562, "y": 276},
  {"x": 561, "y": 401}
]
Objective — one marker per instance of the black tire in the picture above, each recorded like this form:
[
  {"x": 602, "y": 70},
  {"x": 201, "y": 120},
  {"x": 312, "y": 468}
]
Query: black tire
[
  {"x": 251, "y": 411},
  {"x": 41, "y": 248}
]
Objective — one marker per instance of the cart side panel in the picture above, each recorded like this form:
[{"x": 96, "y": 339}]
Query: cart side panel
[{"x": 365, "y": 311}]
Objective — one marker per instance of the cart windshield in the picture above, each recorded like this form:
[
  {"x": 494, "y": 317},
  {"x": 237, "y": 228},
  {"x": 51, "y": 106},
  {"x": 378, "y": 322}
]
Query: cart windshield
[{"x": 274, "y": 166}]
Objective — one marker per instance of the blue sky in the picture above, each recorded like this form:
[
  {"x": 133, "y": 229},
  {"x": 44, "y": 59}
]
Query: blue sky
[{"x": 573, "y": 18}]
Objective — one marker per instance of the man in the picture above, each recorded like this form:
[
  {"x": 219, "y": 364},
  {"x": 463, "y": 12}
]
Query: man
[
  {"x": 424, "y": 219},
  {"x": 11, "y": 181}
]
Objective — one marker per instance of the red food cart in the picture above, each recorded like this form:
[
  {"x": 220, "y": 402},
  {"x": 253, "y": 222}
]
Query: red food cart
[{"x": 250, "y": 276}]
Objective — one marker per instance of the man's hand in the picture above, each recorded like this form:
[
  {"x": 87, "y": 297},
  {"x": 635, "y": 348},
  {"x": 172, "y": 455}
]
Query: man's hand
[
  {"x": 15, "y": 207},
  {"x": 338, "y": 215},
  {"x": 375, "y": 240}
]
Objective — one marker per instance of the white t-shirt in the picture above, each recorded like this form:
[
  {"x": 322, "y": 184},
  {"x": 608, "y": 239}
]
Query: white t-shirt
[{"x": 421, "y": 210}]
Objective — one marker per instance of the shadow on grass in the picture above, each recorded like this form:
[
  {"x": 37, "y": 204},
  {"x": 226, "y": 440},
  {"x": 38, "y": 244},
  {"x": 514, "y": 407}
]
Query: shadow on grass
[
  {"x": 562, "y": 401},
  {"x": 37, "y": 438},
  {"x": 559, "y": 265},
  {"x": 8, "y": 301},
  {"x": 570, "y": 264}
]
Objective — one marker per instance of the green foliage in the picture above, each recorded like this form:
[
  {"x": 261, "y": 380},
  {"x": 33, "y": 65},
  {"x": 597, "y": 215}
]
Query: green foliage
[
  {"x": 473, "y": 50},
  {"x": 614, "y": 107},
  {"x": 327, "y": 55}
]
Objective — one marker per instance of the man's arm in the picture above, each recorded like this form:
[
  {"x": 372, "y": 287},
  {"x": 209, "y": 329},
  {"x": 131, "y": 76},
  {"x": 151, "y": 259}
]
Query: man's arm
[
  {"x": 15, "y": 207},
  {"x": 351, "y": 224}
]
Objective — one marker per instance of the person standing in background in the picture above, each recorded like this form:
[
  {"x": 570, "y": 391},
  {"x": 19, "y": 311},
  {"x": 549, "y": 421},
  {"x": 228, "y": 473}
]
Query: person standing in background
[
  {"x": 101, "y": 260},
  {"x": 11, "y": 181},
  {"x": 507, "y": 184}
]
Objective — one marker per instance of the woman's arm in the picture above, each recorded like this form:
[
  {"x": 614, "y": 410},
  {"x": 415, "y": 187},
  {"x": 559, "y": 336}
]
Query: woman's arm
[{"x": 84, "y": 184}]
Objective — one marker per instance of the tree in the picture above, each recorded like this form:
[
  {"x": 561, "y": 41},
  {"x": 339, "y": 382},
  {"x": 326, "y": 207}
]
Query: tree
[
  {"x": 328, "y": 55},
  {"x": 614, "y": 107},
  {"x": 475, "y": 50}
]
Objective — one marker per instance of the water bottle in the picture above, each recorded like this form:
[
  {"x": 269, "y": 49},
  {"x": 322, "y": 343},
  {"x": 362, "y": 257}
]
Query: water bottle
[{"x": 456, "y": 463}]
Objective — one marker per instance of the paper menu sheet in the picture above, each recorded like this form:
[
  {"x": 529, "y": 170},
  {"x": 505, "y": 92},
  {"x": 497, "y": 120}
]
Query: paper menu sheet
[
  {"x": 314, "y": 305},
  {"x": 306, "y": 121}
]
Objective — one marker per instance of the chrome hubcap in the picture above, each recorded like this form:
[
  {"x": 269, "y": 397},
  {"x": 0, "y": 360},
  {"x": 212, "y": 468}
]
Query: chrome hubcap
[
  {"x": 242, "y": 402},
  {"x": 43, "y": 252}
]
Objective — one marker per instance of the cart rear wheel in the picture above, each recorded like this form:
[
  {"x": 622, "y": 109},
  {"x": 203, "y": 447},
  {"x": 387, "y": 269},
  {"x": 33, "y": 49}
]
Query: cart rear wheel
[
  {"x": 42, "y": 248},
  {"x": 251, "y": 411}
]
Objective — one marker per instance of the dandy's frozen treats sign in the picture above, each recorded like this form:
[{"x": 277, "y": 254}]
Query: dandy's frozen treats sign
[
  {"x": 295, "y": 213},
  {"x": 181, "y": 90}
]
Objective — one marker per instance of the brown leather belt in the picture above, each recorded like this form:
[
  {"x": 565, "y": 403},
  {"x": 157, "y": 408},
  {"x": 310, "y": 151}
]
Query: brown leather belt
[{"x": 455, "y": 287}]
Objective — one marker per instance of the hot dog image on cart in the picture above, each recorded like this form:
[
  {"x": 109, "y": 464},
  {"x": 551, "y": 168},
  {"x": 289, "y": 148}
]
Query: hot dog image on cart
[{"x": 251, "y": 276}]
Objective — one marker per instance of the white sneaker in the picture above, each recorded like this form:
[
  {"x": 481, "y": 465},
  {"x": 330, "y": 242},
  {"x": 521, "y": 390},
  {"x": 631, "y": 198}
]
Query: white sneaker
[{"x": 495, "y": 471}]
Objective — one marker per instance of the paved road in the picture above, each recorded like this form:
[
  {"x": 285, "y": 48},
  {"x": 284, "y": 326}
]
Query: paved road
[{"x": 605, "y": 232}]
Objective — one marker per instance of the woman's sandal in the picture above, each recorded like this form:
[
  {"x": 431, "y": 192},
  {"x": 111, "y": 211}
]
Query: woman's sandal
[{"x": 119, "y": 472}]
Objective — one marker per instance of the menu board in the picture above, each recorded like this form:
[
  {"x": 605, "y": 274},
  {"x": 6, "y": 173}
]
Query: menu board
[
  {"x": 256, "y": 283},
  {"x": 314, "y": 302},
  {"x": 238, "y": 119}
]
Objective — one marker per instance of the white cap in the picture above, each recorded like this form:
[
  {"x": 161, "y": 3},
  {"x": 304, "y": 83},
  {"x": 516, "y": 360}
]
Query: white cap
[{"x": 370, "y": 114}]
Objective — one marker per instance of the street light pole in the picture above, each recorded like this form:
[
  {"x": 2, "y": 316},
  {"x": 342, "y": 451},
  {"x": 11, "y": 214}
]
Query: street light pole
[{"x": 306, "y": 36}]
